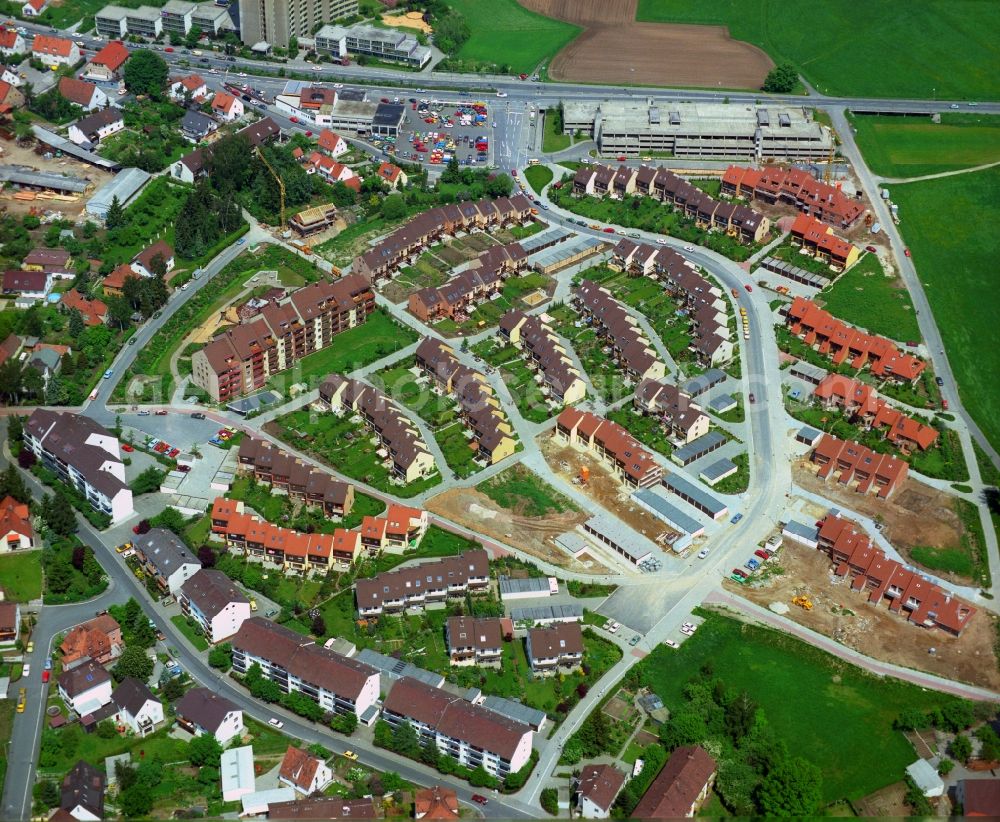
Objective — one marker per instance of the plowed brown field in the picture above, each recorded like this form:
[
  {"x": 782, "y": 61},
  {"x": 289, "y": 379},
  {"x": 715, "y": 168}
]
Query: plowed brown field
[{"x": 613, "y": 48}]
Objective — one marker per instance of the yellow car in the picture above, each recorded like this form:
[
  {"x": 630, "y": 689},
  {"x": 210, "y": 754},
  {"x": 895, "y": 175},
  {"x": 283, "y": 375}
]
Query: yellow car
[
  {"x": 30, "y": 648},
  {"x": 253, "y": 605},
  {"x": 123, "y": 547},
  {"x": 22, "y": 700},
  {"x": 350, "y": 755}
]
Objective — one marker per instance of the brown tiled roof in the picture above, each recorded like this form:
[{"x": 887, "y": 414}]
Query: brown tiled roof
[
  {"x": 324, "y": 807},
  {"x": 212, "y": 591},
  {"x": 299, "y": 768},
  {"x": 204, "y": 708},
  {"x": 435, "y": 803},
  {"x": 677, "y": 786},
  {"x": 77, "y": 91},
  {"x": 600, "y": 784},
  {"x": 556, "y": 640},
  {"x": 455, "y": 570}
]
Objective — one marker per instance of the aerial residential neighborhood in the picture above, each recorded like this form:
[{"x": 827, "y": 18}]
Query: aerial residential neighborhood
[{"x": 511, "y": 410}]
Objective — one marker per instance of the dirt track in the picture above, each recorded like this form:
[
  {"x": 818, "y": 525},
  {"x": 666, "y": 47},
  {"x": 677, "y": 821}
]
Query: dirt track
[
  {"x": 613, "y": 48},
  {"x": 848, "y": 617}
]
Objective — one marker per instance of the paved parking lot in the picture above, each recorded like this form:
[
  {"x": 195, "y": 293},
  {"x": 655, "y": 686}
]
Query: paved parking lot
[{"x": 455, "y": 125}]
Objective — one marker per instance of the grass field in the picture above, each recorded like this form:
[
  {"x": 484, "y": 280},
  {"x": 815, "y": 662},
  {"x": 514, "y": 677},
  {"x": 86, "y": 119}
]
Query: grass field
[
  {"x": 914, "y": 146},
  {"x": 524, "y": 492},
  {"x": 864, "y": 296},
  {"x": 190, "y": 634},
  {"x": 802, "y": 690},
  {"x": 939, "y": 49},
  {"x": 552, "y": 138},
  {"x": 538, "y": 177},
  {"x": 22, "y": 575},
  {"x": 507, "y": 34},
  {"x": 954, "y": 257}
]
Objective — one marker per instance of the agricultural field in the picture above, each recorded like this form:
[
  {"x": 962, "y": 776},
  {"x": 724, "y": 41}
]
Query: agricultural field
[
  {"x": 866, "y": 297},
  {"x": 506, "y": 34},
  {"x": 915, "y": 146},
  {"x": 949, "y": 249},
  {"x": 937, "y": 49},
  {"x": 800, "y": 687}
]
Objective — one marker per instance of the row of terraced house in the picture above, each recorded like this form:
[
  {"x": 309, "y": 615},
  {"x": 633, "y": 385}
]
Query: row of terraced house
[
  {"x": 479, "y": 408},
  {"x": 405, "y": 244},
  {"x": 700, "y": 299},
  {"x": 631, "y": 463},
  {"x": 408, "y": 457},
  {"x": 542, "y": 350},
  {"x": 478, "y": 283},
  {"x": 242, "y": 359},
  {"x": 739, "y": 221}
]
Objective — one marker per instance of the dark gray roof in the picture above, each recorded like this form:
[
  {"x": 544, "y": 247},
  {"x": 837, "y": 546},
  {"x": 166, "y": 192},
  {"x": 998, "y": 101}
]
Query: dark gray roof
[
  {"x": 388, "y": 114},
  {"x": 718, "y": 469},
  {"x": 82, "y": 678},
  {"x": 64, "y": 435},
  {"x": 211, "y": 592},
  {"x": 668, "y": 512},
  {"x": 166, "y": 551},
  {"x": 84, "y": 786},
  {"x": 197, "y": 123},
  {"x": 204, "y": 708},
  {"x": 679, "y": 485},
  {"x": 132, "y": 694}
]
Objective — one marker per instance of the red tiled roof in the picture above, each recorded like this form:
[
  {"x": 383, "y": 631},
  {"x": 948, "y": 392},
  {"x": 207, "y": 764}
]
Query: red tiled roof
[
  {"x": 116, "y": 279},
  {"x": 77, "y": 91},
  {"x": 435, "y": 803},
  {"x": 299, "y": 768},
  {"x": 8, "y": 38},
  {"x": 92, "y": 311},
  {"x": 56, "y": 46},
  {"x": 328, "y": 140},
  {"x": 112, "y": 56},
  {"x": 677, "y": 786},
  {"x": 223, "y": 102},
  {"x": 389, "y": 172},
  {"x": 15, "y": 518}
]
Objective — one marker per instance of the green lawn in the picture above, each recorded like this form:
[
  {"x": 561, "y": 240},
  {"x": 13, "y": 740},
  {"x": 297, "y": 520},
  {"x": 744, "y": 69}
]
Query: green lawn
[
  {"x": 553, "y": 138},
  {"x": 955, "y": 257},
  {"x": 831, "y": 713},
  {"x": 524, "y": 492},
  {"x": 520, "y": 232},
  {"x": 21, "y": 574},
  {"x": 504, "y": 33},
  {"x": 538, "y": 177},
  {"x": 194, "y": 637},
  {"x": 456, "y": 449},
  {"x": 914, "y": 146},
  {"x": 739, "y": 482},
  {"x": 939, "y": 49},
  {"x": 518, "y": 378},
  {"x": 646, "y": 429},
  {"x": 866, "y": 297},
  {"x": 605, "y": 376},
  {"x": 399, "y": 383}
]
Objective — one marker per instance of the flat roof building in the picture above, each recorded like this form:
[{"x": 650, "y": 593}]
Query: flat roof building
[
  {"x": 393, "y": 45},
  {"x": 695, "y": 495},
  {"x": 126, "y": 186}
]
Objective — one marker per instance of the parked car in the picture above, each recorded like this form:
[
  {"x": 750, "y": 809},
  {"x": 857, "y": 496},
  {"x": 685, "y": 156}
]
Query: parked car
[
  {"x": 944, "y": 404},
  {"x": 906, "y": 251},
  {"x": 871, "y": 248},
  {"x": 753, "y": 398},
  {"x": 274, "y": 722},
  {"x": 144, "y": 413},
  {"x": 614, "y": 627},
  {"x": 939, "y": 380},
  {"x": 479, "y": 798},
  {"x": 736, "y": 519},
  {"x": 748, "y": 288},
  {"x": 703, "y": 553},
  {"x": 609, "y": 230},
  {"x": 197, "y": 415},
  {"x": 45, "y": 675},
  {"x": 161, "y": 412},
  {"x": 670, "y": 643},
  {"x": 740, "y": 573},
  {"x": 760, "y": 552}
]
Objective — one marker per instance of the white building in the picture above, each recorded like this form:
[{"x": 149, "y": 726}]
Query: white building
[
  {"x": 11, "y": 43},
  {"x": 33, "y": 8},
  {"x": 85, "y": 688},
  {"x": 166, "y": 558},
  {"x": 55, "y": 51},
  {"x": 89, "y": 131},
  {"x": 339, "y": 684},
  {"x": 227, "y": 106},
  {"x": 203, "y": 712},
  {"x": 236, "y": 771},
  {"x": 138, "y": 709},
  {"x": 212, "y": 600},
  {"x": 473, "y": 735},
  {"x": 597, "y": 789},
  {"x": 304, "y": 772},
  {"x": 83, "y": 454},
  {"x": 385, "y": 44}
]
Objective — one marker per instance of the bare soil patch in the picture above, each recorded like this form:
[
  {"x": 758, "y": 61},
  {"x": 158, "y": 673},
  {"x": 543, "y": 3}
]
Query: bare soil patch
[
  {"x": 13, "y": 154},
  {"x": 887, "y": 803},
  {"x": 603, "y": 488},
  {"x": 916, "y": 515},
  {"x": 533, "y": 535},
  {"x": 849, "y": 618},
  {"x": 614, "y": 48}
]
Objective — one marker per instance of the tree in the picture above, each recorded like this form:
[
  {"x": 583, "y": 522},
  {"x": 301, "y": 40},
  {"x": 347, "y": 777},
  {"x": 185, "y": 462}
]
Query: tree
[
  {"x": 429, "y": 753},
  {"x": 549, "y": 800},
  {"x": 683, "y": 728},
  {"x": 119, "y": 311},
  {"x": 193, "y": 36},
  {"x": 47, "y": 792},
  {"x": 735, "y": 786},
  {"x": 499, "y": 186},
  {"x": 146, "y": 73},
  {"x": 133, "y": 663},
  {"x": 206, "y": 556},
  {"x": 204, "y": 750},
  {"x": 76, "y": 323},
  {"x": 957, "y": 715},
  {"x": 792, "y": 788},
  {"x": 116, "y": 214},
  {"x": 56, "y": 392},
  {"x": 148, "y": 481},
  {"x": 383, "y": 734},
  {"x": 57, "y": 513},
  {"x": 12, "y": 485},
  {"x": 739, "y": 717},
  {"x": 318, "y": 625},
  {"x": 106, "y": 729},
  {"x": 990, "y": 743},
  {"x": 960, "y": 748},
  {"x": 345, "y": 723},
  {"x": 15, "y": 430},
  {"x": 781, "y": 79},
  {"x": 405, "y": 740},
  {"x": 394, "y": 207},
  {"x": 221, "y": 656},
  {"x": 173, "y": 689},
  {"x": 945, "y": 767}
]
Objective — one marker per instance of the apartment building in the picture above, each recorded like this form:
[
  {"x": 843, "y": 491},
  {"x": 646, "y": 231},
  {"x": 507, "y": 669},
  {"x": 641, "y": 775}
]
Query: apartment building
[
  {"x": 297, "y": 664},
  {"x": 555, "y": 648},
  {"x": 271, "y": 466},
  {"x": 850, "y": 462},
  {"x": 291, "y": 550},
  {"x": 472, "y": 287},
  {"x": 417, "y": 585},
  {"x": 818, "y": 240},
  {"x": 166, "y": 558},
  {"x": 681, "y": 787},
  {"x": 241, "y": 359},
  {"x": 407, "y": 455},
  {"x": 406, "y": 243},
  {"x": 401, "y": 527},
  {"x": 630, "y": 348},
  {"x": 115, "y": 22},
  {"x": 392, "y": 45},
  {"x": 910, "y": 594},
  {"x": 276, "y": 22},
  {"x": 861, "y": 402},
  {"x": 682, "y": 419},
  {"x": 543, "y": 351},
  {"x": 699, "y": 130},
  {"x": 474, "y": 641},
  {"x": 479, "y": 408},
  {"x": 845, "y": 344},
  {"x": 738, "y": 221},
  {"x": 631, "y": 463},
  {"x": 795, "y": 187},
  {"x": 84, "y": 455},
  {"x": 212, "y": 600},
  {"x": 475, "y": 736}
]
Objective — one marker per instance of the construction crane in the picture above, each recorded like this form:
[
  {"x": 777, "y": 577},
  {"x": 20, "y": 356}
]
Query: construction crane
[
  {"x": 277, "y": 179},
  {"x": 828, "y": 173}
]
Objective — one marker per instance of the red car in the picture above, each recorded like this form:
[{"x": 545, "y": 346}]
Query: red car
[
  {"x": 871, "y": 248},
  {"x": 944, "y": 404},
  {"x": 740, "y": 573},
  {"x": 168, "y": 50},
  {"x": 46, "y": 675},
  {"x": 160, "y": 413},
  {"x": 174, "y": 452},
  {"x": 748, "y": 288},
  {"x": 478, "y": 797},
  {"x": 609, "y": 230},
  {"x": 760, "y": 552},
  {"x": 183, "y": 468},
  {"x": 309, "y": 134},
  {"x": 127, "y": 448},
  {"x": 621, "y": 158},
  {"x": 906, "y": 251},
  {"x": 523, "y": 76},
  {"x": 294, "y": 119},
  {"x": 513, "y": 171}
]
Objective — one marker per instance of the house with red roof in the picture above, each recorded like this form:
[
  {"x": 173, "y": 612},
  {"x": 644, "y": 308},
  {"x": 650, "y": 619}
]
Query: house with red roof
[
  {"x": 681, "y": 787},
  {"x": 818, "y": 240},
  {"x": 114, "y": 284},
  {"x": 107, "y": 64},
  {"x": 392, "y": 175},
  {"x": 331, "y": 143},
  {"x": 851, "y": 463},
  {"x": 55, "y": 51},
  {"x": 435, "y": 802},
  {"x": 94, "y": 312},
  {"x": 304, "y": 772},
  {"x": 16, "y": 531},
  {"x": 227, "y": 106},
  {"x": 86, "y": 95},
  {"x": 33, "y": 8},
  {"x": 11, "y": 42},
  {"x": 329, "y": 169},
  {"x": 909, "y": 593},
  {"x": 10, "y": 97},
  {"x": 192, "y": 84},
  {"x": 631, "y": 463}
]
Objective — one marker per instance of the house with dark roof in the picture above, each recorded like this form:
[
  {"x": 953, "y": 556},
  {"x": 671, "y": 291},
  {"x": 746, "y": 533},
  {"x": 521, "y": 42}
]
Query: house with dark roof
[
  {"x": 89, "y": 131},
  {"x": 144, "y": 263},
  {"x": 632, "y": 464},
  {"x": 323, "y": 808},
  {"x": 681, "y": 787},
  {"x": 166, "y": 558},
  {"x": 597, "y": 789},
  {"x": 554, "y": 648},
  {"x": 196, "y": 126},
  {"x": 29, "y": 286},
  {"x": 212, "y": 600},
  {"x": 82, "y": 795},
  {"x": 473, "y": 641},
  {"x": 338, "y": 683},
  {"x": 542, "y": 351},
  {"x": 85, "y": 688},
  {"x": 303, "y": 771},
  {"x": 83, "y": 454},
  {"x": 10, "y": 623},
  {"x": 475, "y": 736},
  {"x": 56, "y": 261},
  {"x": 428, "y": 582},
  {"x": 979, "y": 797},
  {"x": 138, "y": 709},
  {"x": 204, "y": 712}
]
